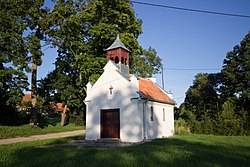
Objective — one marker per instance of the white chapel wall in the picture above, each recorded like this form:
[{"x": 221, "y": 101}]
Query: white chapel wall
[
  {"x": 159, "y": 127},
  {"x": 122, "y": 92}
]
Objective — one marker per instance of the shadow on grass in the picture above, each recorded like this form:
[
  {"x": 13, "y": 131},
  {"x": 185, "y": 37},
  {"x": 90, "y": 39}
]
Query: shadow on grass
[{"x": 162, "y": 152}]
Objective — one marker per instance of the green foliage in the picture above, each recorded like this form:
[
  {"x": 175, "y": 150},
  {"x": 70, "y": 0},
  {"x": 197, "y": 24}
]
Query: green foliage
[
  {"x": 181, "y": 127},
  {"x": 81, "y": 30},
  {"x": 13, "y": 55},
  {"x": 202, "y": 97},
  {"x": 236, "y": 73},
  {"x": 228, "y": 121},
  {"x": 220, "y": 102},
  {"x": 24, "y": 26},
  {"x": 85, "y": 30},
  {"x": 147, "y": 64},
  {"x": 78, "y": 120}
]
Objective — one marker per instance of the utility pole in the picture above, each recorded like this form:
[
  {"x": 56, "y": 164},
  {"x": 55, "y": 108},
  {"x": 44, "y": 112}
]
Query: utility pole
[{"x": 162, "y": 77}]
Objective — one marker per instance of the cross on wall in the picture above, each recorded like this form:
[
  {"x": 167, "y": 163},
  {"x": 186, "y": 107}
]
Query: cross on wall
[{"x": 111, "y": 90}]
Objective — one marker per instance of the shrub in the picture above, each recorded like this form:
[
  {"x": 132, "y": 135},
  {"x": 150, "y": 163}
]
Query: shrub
[
  {"x": 77, "y": 120},
  {"x": 181, "y": 127}
]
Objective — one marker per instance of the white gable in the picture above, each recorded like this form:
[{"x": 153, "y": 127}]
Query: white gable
[{"x": 110, "y": 66}]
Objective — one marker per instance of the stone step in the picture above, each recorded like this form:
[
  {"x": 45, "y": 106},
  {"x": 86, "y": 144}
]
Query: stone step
[{"x": 109, "y": 140}]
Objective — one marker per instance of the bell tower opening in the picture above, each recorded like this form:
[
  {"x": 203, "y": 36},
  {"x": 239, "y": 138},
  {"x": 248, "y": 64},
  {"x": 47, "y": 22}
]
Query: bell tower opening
[
  {"x": 122, "y": 60},
  {"x": 116, "y": 59}
]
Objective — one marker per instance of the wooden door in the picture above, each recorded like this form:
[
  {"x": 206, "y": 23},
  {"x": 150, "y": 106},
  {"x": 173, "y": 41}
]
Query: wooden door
[{"x": 110, "y": 123}]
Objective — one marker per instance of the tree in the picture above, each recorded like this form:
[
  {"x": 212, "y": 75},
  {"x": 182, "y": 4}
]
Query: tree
[
  {"x": 147, "y": 64},
  {"x": 236, "y": 79},
  {"x": 202, "y": 103},
  {"x": 221, "y": 102},
  {"x": 104, "y": 20},
  {"x": 236, "y": 73},
  {"x": 87, "y": 30},
  {"x": 22, "y": 38},
  {"x": 203, "y": 96},
  {"x": 13, "y": 55},
  {"x": 66, "y": 83},
  {"x": 26, "y": 27},
  {"x": 228, "y": 122},
  {"x": 37, "y": 17}
]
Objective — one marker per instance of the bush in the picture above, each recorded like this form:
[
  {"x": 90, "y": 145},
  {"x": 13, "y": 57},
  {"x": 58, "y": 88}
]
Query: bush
[
  {"x": 77, "y": 120},
  {"x": 11, "y": 117},
  {"x": 8, "y": 115},
  {"x": 227, "y": 121},
  {"x": 22, "y": 118},
  {"x": 181, "y": 127}
]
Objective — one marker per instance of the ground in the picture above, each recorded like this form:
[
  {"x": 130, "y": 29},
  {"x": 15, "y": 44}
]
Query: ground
[
  {"x": 42, "y": 137},
  {"x": 188, "y": 150}
]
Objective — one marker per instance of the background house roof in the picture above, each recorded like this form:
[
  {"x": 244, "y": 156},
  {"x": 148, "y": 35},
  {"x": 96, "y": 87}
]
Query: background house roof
[
  {"x": 60, "y": 106},
  {"x": 117, "y": 44},
  {"x": 26, "y": 98},
  {"x": 149, "y": 90}
]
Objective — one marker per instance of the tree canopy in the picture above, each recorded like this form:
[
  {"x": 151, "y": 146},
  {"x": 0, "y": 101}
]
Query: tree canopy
[
  {"x": 82, "y": 37},
  {"x": 220, "y": 103},
  {"x": 14, "y": 51},
  {"x": 236, "y": 73}
]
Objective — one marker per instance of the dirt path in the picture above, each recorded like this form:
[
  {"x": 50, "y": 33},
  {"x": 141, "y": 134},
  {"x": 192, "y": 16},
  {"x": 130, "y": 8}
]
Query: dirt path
[{"x": 42, "y": 137}]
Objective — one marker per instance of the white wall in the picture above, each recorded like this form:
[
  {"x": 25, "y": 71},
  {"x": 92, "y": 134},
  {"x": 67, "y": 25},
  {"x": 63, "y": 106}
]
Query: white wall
[{"x": 158, "y": 127}]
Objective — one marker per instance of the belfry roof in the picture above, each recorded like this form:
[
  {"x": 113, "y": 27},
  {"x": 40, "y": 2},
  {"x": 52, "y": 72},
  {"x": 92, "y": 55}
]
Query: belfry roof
[{"x": 117, "y": 44}]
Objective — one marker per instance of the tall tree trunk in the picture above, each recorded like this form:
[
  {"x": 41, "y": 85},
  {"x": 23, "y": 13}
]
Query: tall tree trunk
[
  {"x": 33, "y": 119},
  {"x": 64, "y": 115}
]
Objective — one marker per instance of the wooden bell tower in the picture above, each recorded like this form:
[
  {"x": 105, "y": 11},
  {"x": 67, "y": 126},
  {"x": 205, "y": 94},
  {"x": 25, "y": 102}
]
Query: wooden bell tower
[{"x": 119, "y": 54}]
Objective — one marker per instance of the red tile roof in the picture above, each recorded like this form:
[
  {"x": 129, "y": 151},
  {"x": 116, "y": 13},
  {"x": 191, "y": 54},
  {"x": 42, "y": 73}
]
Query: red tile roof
[
  {"x": 151, "y": 91},
  {"x": 26, "y": 98},
  {"x": 59, "y": 106}
]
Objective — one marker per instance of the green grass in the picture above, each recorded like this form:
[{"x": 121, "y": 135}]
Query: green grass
[
  {"x": 188, "y": 150},
  {"x": 51, "y": 125}
]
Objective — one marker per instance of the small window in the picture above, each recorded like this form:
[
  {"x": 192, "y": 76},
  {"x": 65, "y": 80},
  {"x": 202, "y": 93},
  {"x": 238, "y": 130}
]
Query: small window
[
  {"x": 116, "y": 60},
  {"x": 164, "y": 114},
  {"x": 152, "y": 114},
  {"x": 126, "y": 61}
]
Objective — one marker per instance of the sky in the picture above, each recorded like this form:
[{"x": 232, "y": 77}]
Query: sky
[{"x": 188, "y": 42}]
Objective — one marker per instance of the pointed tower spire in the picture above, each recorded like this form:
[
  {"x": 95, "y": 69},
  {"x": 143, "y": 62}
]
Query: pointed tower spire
[{"x": 117, "y": 44}]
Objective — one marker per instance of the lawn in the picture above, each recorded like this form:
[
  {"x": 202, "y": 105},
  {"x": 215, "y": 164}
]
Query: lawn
[
  {"x": 51, "y": 125},
  {"x": 189, "y": 150}
]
